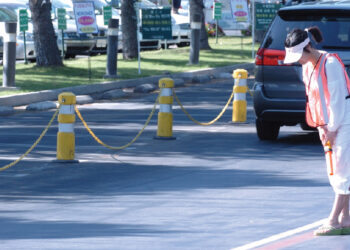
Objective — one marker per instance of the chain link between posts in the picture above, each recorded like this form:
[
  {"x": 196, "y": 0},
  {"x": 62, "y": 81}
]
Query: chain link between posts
[
  {"x": 126, "y": 145},
  {"x": 205, "y": 123},
  {"x": 34, "y": 145}
]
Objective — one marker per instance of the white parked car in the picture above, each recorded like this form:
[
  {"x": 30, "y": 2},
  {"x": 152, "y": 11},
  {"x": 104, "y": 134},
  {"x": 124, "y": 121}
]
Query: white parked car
[
  {"x": 181, "y": 31},
  {"x": 144, "y": 43},
  {"x": 81, "y": 43},
  {"x": 76, "y": 43},
  {"x": 180, "y": 25},
  {"x": 184, "y": 8},
  {"x": 101, "y": 43},
  {"x": 9, "y": 13}
]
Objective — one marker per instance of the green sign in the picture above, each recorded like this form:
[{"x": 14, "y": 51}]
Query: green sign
[
  {"x": 264, "y": 14},
  {"x": 156, "y": 24},
  {"x": 23, "y": 20},
  {"x": 61, "y": 19},
  {"x": 217, "y": 10},
  {"x": 107, "y": 14}
]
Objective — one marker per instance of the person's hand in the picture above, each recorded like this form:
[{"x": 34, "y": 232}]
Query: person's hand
[
  {"x": 326, "y": 135},
  {"x": 330, "y": 136}
]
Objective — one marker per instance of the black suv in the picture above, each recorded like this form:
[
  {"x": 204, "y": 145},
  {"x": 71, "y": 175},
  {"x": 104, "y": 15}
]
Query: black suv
[{"x": 279, "y": 92}]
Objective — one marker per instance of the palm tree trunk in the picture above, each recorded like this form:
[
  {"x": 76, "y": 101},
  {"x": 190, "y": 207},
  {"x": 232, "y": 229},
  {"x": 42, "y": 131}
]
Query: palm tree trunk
[
  {"x": 129, "y": 27},
  {"x": 197, "y": 6},
  {"x": 45, "y": 40}
]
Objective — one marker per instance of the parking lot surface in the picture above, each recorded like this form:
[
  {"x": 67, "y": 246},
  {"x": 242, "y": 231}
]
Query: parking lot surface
[{"x": 214, "y": 187}]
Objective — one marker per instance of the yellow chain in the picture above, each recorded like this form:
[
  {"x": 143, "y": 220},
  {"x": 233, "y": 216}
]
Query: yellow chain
[
  {"x": 204, "y": 123},
  {"x": 34, "y": 145},
  {"x": 126, "y": 145}
]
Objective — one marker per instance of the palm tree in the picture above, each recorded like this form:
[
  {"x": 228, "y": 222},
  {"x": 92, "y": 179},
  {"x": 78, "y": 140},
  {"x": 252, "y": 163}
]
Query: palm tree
[{"x": 47, "y": 52}]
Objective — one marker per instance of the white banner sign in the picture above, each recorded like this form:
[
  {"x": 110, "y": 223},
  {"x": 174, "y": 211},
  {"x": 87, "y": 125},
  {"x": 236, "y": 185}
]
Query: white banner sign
[
  {"x": 239, "y": 10},
  {"x": 85, "y": 17}
]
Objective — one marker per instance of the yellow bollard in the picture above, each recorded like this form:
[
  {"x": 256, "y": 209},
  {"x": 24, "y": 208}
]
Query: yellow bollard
[
  {"x": 239, "y": 113},
  {"x": 65, "y": 135},
  {"x": 165, "y": 115}
]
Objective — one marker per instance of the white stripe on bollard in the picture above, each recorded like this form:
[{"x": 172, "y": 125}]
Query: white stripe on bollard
[
  {"x": 196, "y": 26},
  {"x": 67, "y": 109},
  {"x": 165, "y": 108},
  {"x": 66, "y": 127},
  {"x": 10, "y": 37},
  {"x": 241, "y": 82},
  {"x": 239, "y": 96},
  {"x": 112, "y": 32},
  {"x": 166, "y": 92}
]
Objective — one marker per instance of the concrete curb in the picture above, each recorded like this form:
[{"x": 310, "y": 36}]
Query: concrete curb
[
  {"x": 223, "y": 75},
  {"x": 51, "y": 95},
  {"x": 145, "y": 88},
  {"x": 202, "y": 79},
  {"x": 37, "y": 106},
  {"x": 84, "y": 99},
  {"x": 113, "y": 94},
  {"x": 179, "y": 82},
  {"x": 5, "y": 110}
]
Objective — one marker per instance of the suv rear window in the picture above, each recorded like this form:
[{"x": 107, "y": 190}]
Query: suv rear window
[{"x": 334, "y": 25}]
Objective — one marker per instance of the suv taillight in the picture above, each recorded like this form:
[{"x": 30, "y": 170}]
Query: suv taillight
[{"x": 270, "y": 57}]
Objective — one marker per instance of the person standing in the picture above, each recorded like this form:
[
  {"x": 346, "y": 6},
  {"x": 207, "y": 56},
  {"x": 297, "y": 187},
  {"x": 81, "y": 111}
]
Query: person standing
[
  {"x": 176, "y": 5},
  {"x": 328, "y": 109}
]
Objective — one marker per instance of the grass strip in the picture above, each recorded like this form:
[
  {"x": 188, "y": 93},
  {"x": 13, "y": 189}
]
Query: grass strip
[{"x": 228, "y": 51}]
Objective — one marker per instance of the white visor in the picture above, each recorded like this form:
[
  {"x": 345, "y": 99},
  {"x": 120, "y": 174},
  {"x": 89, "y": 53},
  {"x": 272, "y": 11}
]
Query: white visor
[{"x": 293, "y": 54}]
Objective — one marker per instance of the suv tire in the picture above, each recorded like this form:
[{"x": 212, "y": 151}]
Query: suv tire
[{"x": 267, "y": 130}]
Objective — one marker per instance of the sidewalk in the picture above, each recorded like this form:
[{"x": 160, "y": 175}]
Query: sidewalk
[{"x": 90, "y": 93}]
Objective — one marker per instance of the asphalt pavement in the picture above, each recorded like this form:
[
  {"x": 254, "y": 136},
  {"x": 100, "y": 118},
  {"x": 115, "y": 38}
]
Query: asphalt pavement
[{"x": 214, "y": 187}]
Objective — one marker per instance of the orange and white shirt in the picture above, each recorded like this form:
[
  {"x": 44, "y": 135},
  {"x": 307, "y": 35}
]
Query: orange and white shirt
[{"x": 326, "y": 89}]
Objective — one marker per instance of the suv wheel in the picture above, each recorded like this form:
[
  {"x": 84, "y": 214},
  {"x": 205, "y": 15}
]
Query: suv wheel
[{"x": 267, "y": 130}]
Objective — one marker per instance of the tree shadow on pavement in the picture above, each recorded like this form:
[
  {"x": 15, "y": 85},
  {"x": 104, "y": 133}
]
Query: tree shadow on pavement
[
  {"x": 106, "y": 179},
  {"x": 17, "y": 229}
]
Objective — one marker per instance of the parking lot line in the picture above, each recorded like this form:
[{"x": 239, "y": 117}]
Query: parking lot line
[
  {"x": 278, "y": 237},
  {"x": 287, "y": 242}
]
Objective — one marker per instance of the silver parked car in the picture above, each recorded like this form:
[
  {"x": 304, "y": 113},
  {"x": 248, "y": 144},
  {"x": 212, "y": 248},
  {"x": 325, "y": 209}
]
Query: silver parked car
[{"x": 279, "y": 92}]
